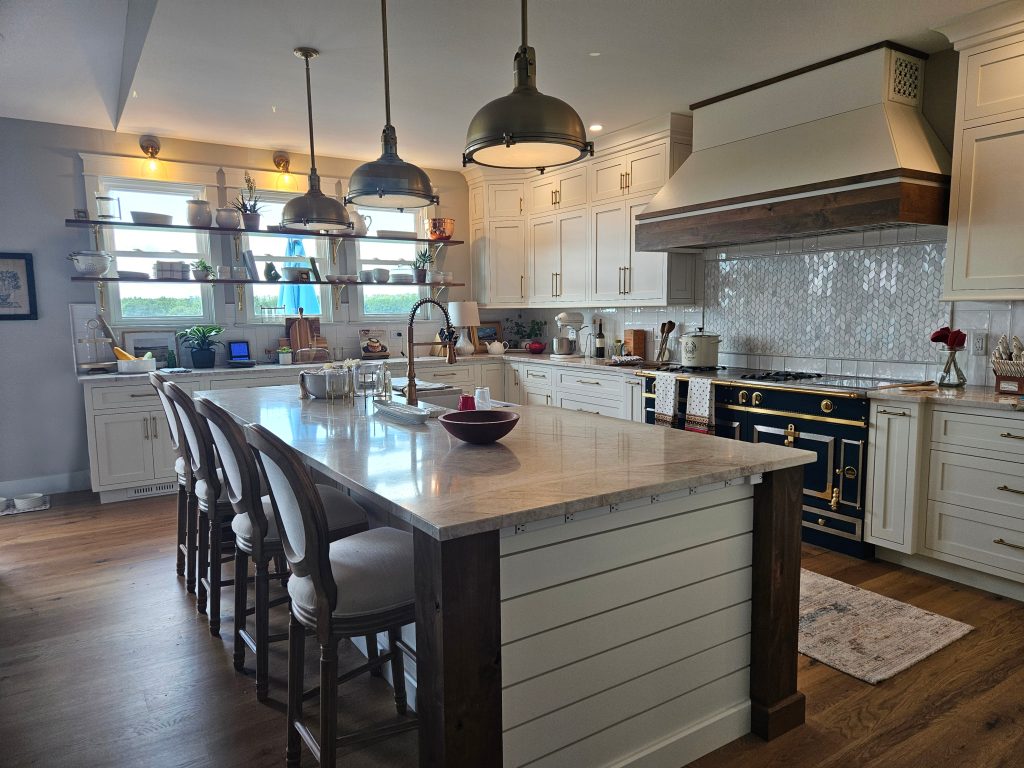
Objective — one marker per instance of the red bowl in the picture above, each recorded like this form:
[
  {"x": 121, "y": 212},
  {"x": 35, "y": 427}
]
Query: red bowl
[
  {"x": 536, "y": 347},
  {"x": 479, "y": 427}
]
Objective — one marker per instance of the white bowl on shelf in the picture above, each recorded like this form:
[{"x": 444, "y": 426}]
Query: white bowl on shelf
[
  {"x": 381, "y": 275},
  {"x": 91, "y": 263},
  {"x": 145, "y": 217},
  {"x": 136, "y": 366},
  {"x": 27, "y": 500},
  {"x": 365, "y": 276}
]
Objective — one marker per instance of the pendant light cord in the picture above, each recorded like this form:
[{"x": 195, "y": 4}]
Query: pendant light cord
[
  {"x": 309, "y": 108},
  {"x": 525, "y": 44},
  {"x": 387, "y": 76}
]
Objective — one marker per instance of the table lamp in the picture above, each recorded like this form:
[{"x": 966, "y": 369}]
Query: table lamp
[{"x": 464, "y": 314}]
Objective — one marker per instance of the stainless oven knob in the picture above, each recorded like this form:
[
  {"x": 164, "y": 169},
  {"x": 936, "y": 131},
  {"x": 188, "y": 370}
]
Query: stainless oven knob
[
  {"x": 827, "y": 406},
  {"x": 744, "y": 396},
  {"x": 756, "y": 399}
]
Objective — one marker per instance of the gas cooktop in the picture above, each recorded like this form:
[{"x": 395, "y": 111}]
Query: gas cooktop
[{"x": 792, "y": 379}]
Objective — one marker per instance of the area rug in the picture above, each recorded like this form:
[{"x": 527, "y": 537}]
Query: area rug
[{"x": 866, "y": 635}]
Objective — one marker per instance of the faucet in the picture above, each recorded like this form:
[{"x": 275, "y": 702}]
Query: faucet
[{"x": 448, "y": 337}]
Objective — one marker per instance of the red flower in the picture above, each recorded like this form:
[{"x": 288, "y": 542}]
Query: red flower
[
  {"x": 942, "y": 335},
  {"x": 957, "y": 339}
]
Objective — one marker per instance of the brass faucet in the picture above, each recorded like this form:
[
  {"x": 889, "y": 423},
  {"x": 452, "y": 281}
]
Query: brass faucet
[{"x": 448, "y": 338}]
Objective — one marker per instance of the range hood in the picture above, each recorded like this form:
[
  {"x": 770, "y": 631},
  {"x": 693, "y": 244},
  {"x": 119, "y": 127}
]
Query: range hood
[{"x": 838, "y": 146}]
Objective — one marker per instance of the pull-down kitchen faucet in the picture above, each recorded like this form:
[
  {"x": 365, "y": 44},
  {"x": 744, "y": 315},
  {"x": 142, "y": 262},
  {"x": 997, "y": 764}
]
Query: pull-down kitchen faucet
[{"x": 447, "y": 335}]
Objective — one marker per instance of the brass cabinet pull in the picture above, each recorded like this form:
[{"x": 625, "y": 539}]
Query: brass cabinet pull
[
  {"x": 240, "y": 288},
  {"x": 1009, "y": 489},
  {"x": 103, "y": 298},
  {"x": 553, "y": 284},
  {"x": 622, "y": 180},
  {"x": 145, "y": 428},
  {"x": 515, "y": 377},
  {"x": 627, "y": 280},
  {"x": 520, "y": 205},
  {"x": 584, "y": 410},
  {"x": 154, "y": 428},
  {"x": 835, "y": 500},
  {"x": 535, "y": 375},
  {"x": 1012, "y": 436},
  {"x": 435, "y": 375},
  {"x": 633, "y": 383},
  {"x": 582, "y": 381},
  {"x": 153, "y": 395},
  {"x": 756, "y": 400},
  {"x": 744, "y": 396},
  {"x": 558, "y": 197},
  {"x": 892, "y": 413},
  {"x": 552, "y": 197},
  {"x": 522, "y": 295},
  {"x": 790, "y": 432},
  {"x": 1007, "y": 544},
  {"x": 547, "y": 399},
  {"x": 558, "y": 282},
  {"x": 627, "y": 179}
]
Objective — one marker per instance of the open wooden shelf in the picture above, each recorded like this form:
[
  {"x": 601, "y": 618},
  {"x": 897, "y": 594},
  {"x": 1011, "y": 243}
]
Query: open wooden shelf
[
  {"x": 82, "y": 279},
  {"x": 88, "y": 223}
]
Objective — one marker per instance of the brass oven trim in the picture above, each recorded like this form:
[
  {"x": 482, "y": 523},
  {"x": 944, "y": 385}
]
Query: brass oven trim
[
  {"x": 792, "y": 414},
  {"x": 769, "y": 384},
  {"x": 842, "y": 471},
  {"x": 830, "y": 441},
  {"x": 857, "y": 522}
]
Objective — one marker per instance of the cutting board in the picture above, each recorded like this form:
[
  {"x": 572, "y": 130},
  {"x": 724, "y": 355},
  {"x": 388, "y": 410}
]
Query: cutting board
[{"x": 301, "y": 331}]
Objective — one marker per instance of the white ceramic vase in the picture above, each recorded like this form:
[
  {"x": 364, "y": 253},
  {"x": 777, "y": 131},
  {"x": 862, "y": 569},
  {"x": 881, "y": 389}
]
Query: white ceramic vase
[{"x": 199, "y": 214}]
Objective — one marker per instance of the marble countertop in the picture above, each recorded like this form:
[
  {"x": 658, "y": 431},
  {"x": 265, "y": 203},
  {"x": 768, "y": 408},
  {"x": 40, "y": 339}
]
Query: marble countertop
[
  {"x": 968, "y": 397},
  {"x": 554, "y": 462}
]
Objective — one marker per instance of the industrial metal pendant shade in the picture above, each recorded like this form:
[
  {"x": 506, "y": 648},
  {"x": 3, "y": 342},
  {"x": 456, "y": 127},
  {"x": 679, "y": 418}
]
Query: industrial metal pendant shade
[
  {"x": 314, "y": 210},
  {"x": 526, "y": 129},
  {"x": 389, "y": 181}
]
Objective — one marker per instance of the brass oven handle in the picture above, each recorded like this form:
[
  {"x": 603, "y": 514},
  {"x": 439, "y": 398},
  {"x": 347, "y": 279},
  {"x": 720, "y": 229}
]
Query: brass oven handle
[
  {"x": 1012, "y": 436},
  {"x": 835, "y": 500},
  {"x": 744, "y": 396},
  {"x": 1007, "y": 544},
  {"x": 756, "y": 399},
  {"x": 1010, "y": 490},
  {"x": 892, "y": 413}
]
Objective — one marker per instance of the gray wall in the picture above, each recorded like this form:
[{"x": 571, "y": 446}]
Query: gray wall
[{"x": 42, "y": 415}]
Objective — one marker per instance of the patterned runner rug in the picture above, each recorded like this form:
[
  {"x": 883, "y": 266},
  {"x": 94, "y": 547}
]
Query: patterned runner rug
[{"x": 866, "y": 635}]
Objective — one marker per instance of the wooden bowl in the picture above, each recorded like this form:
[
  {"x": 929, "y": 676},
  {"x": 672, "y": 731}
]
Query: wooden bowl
[{"x": 479, "y": 427}]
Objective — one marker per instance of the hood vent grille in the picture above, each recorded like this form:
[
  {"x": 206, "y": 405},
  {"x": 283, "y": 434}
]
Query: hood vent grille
[{"x": 906, "y": 80}]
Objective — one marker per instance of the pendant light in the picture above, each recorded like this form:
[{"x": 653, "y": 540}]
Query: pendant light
[
  {"x": 526, "y": 129},
  {"x": 314, "y": 210},
  {"x": 389, "y": 181}
]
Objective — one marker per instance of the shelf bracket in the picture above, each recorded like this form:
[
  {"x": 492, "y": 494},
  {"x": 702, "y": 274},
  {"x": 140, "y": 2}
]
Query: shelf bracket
[
  {"x": 334, "y": 245},
  {"x": 336, "y": 290},
  {"x": 436, "y": 292},
  {"x": 237, "y": 238},
  {"x": 240, "y": 290},
  {"x": 96, "y": 236},
  {"x": 103, "y": 296}
]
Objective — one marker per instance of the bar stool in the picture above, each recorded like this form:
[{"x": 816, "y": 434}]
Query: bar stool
[
  {"x": 215, "y": 510},
  {"x": 257, "y": 536},
  {"x": 355, "y": 586},
  {"x": 187, "y": 501}
]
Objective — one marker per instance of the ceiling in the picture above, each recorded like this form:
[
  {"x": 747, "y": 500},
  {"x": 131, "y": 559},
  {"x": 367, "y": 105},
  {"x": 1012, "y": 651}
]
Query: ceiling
[{"x": 224, "y": 72}]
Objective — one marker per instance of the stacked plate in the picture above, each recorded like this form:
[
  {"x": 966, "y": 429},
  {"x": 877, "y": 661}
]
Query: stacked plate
[
  {"x": 399, "y": 412},
  {"x": 402, "y": 277}
]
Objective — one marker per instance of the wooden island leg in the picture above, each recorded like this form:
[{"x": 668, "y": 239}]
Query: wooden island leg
[
  {"x": 776, "y": 705},
  {"x": 458, "y": 651}
]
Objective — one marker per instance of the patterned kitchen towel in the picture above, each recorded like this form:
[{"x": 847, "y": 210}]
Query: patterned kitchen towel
[
  {"x": 666, "y": 399},
  {"x": 700, "y": 405}
]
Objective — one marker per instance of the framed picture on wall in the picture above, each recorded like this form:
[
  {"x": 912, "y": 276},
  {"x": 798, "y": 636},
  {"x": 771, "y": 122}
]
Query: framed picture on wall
[
  {"x": 160, "y": 343},
  {"x": 484, "y": 334},
  {"x": 17, "y": 287}
]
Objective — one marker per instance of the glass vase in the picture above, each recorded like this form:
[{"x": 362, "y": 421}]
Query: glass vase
[{"x": 951, "y": 375}]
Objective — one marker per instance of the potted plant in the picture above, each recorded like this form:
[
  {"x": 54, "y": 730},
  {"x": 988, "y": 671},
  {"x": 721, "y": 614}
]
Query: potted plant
[
  {"x": 248, "y": 204},
  {"x": 284, "y": 355},
  {"x": 523, "y": 332},
  {"x": 199, "y": 338},
  {"x": 201, "y": 270},
  {"x": 424, "y": 260}
]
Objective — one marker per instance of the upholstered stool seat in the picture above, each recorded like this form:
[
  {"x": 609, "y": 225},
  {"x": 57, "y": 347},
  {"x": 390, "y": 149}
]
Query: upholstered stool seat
[{"x": 342, "y": 512}]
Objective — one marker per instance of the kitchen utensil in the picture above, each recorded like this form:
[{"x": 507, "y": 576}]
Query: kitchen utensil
[
  {"x": 300, "y": 333},
  {"x": 396, "y": 234},
  {"x": 561, "y": 345},
  {"x": 401, "y": 412},
  {"x": 295, "y": 274},
  {"x": 198, "y": 213},
  {"x": 381, "y": 275},
  {"x": 158, "y": 219},
  {"x": 536, "y": 347},
  {"x": 906, "y": 384},
  {"x": 440, "y": 229},
  {"x": 360, "y": 224},
  {"x": 479, "y": 427},
  {"x": 497, "y": 347},
  {"x": 699, "y": 349},
  {"x": 482, "y": 398},
  {"x": 27, "y": 500},
  {"x": 664, "y": 341},
  {"x": 108, "y": 208},
  {"x": 136, "y": 366},
  {"x": 467, "y": 403},
  {"x": 91, "y": 263}
]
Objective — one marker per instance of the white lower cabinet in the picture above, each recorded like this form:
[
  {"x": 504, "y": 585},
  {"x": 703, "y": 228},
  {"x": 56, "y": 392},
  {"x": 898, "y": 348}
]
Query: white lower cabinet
[
  {"x": 513, "y": 387},
  {"x": 133, "y": 448},
  {"x": 633, "y": 399},
  {"x": 492, "y": 376},
  {"x": 893, "y": 474},
  {"x": 163, "y": 449},
  {"x": 587, "y": 404}
]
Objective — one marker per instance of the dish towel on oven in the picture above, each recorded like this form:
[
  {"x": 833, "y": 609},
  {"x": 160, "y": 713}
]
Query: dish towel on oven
[
  {"x": 700, "y": 405},
  {"x": 666, "y": 399}
]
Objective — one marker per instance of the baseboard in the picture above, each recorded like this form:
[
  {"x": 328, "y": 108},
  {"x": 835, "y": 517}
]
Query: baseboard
[
  {"x": 692, "y": 743},
  {"x": 47, "y": 484},
  {"x": 953, "y": 572}
]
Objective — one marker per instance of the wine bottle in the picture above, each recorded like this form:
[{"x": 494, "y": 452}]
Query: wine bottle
[{"x": 599, "y": 340}]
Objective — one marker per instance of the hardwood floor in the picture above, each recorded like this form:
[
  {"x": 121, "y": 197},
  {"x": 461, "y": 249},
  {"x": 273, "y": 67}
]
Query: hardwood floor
[{"x": 104, "y": 662}]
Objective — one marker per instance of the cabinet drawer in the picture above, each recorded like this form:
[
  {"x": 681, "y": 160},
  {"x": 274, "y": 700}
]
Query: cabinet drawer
[
  {"x": 836, "y": 524},
  {"x": 580, "y": 402},
  {"x": 142, "y": 395},
  {"x": 539, "y": 375},
  {"x": 995, "y": 82},
  {"x": 979, "y": 483},
  {"x": 533, "y": 395},
  {"x": 977, "y": 536},
  {"x": 987, "y": 432},
  {"x": 449, "y": 374},
  {"x": 587, "y": 381}
]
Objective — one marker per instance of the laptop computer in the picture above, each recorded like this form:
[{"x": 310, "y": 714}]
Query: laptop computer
[{"x": 238, "y": 355}]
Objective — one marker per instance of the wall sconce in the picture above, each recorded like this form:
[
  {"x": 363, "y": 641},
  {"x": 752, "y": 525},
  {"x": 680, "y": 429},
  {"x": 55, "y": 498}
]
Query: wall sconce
[
  {"x": 151, "y": 167},
  {"x": 285, "y": 179}
]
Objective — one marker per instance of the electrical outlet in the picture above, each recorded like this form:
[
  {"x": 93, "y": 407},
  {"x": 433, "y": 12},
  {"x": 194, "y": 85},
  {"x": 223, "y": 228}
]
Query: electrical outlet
[{"x": 976, "y": 342}]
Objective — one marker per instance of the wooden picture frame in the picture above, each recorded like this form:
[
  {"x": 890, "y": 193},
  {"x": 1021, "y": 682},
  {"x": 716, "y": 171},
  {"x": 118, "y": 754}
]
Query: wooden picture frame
[
  {"x": 17, "y": 287},
  {"x": 491, "y": 332},
  {"x": 158, "y": 342}
]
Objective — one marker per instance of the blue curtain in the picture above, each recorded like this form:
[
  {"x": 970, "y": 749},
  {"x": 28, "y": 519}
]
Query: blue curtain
[{"x": 295, "y": 296}]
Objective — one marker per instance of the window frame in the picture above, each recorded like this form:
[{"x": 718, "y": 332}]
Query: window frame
[{"x": 425, "y": 314}]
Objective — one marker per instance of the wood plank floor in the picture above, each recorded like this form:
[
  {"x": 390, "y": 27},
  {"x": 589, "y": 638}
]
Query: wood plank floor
[{"x": 104, "y": 662}]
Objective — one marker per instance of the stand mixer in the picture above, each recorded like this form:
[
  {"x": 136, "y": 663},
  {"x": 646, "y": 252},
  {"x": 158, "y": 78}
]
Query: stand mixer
[{"x": 567, "y": 345}]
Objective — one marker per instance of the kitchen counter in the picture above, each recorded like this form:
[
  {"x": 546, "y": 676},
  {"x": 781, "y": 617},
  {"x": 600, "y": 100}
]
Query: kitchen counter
[
  {"x": 563, "y": 570},
  {"x": 968, "y": 397}
]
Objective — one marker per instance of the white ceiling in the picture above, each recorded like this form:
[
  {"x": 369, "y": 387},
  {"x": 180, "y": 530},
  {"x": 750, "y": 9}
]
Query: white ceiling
[{"x": 215, "y": 71}]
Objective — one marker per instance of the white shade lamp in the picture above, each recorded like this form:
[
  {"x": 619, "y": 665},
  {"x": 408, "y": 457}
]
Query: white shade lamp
[{"x": 464, "y": 315}]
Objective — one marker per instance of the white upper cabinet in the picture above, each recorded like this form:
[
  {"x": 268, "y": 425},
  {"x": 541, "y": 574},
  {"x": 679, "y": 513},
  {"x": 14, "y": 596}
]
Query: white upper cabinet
[
  {"x": 610, "y": 232},
  {"x": 573, "y": 256},
  {"x": 505, "y": 201},
  {"x": 559, "y": 191},
  {"x": 995, "y": 82},
  {"x": 647, "y": 169},
  {"x": 608, "y": 179},
  {"x": 477, "y": 203},
  {"x": 544, "y": 259},
  {"x": 645, "y": 273},
  {"x": 506, "y": 246}
]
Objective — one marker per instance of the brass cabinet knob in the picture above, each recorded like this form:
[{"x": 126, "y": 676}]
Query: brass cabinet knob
[
  {"x": 756, "y": 400},
  {"x": 744, "y": 396},
  {"x": 827, "y": 406},
  {"x": 821, "y": 521}
]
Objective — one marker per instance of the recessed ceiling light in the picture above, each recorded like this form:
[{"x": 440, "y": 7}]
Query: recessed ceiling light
[
  {"x": 596, "y": 127},
  {"x": 595, "y": 54}
]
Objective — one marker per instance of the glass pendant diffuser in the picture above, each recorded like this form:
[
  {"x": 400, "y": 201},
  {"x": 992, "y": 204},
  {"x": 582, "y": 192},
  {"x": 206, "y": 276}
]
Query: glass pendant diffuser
[
  {"x": 314, "y": 210},
  {"x": 389, "y": 181},
  {"x": 151, "y": 167},
  {"x": 526, "y": 129}
]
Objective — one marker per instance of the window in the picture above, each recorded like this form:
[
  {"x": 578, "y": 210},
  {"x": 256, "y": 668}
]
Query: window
[
  {"x": 138, "y": 250},
  {"x": 390, "y": 300}
]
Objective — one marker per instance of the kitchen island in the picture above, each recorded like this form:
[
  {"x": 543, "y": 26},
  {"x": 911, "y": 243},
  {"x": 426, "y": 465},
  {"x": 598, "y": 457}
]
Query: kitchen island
[{"x": 589, "y": 591}]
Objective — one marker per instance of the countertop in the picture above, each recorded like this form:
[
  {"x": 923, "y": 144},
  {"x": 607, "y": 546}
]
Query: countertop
[
  {"x": 968, "y": 397},
  {"x": 554, "y": 462}
]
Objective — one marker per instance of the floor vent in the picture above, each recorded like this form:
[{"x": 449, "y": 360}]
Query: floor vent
[{"x": 153, "y": 490}]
